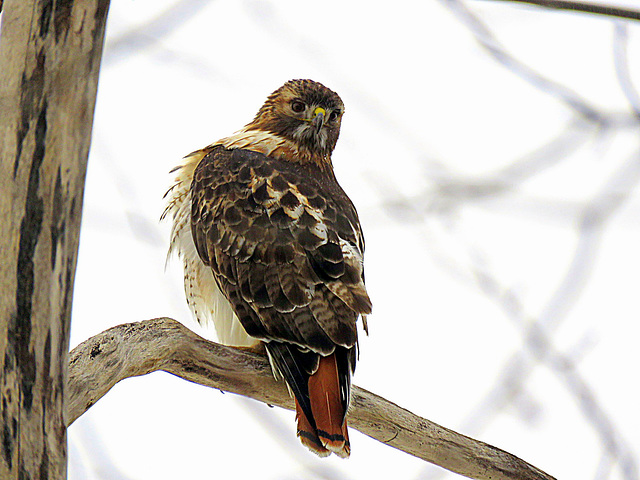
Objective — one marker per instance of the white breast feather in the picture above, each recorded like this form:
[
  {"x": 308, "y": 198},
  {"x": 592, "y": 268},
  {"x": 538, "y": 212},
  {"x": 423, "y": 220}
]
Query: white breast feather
[{"x": 206, "y": 301}]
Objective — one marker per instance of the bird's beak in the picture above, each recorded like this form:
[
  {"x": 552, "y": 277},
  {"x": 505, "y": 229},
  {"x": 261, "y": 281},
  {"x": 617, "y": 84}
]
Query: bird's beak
[{"x": 318, "y": 119}]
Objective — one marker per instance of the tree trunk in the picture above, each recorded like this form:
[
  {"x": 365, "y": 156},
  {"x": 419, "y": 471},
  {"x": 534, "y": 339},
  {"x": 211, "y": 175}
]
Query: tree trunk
[{"x": 49, "y": 62}]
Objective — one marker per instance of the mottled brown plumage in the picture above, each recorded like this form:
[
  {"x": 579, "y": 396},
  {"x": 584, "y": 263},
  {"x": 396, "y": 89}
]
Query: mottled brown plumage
[{"x": 283, "y": 241}]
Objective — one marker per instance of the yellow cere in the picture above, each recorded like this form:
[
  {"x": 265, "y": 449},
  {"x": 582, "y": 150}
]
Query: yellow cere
[{"x": 319, "y": 110}]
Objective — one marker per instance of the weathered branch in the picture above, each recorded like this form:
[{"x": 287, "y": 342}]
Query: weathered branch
[
  {"x": 163, "y": 344},
  {"x": 585, "y": 7}
]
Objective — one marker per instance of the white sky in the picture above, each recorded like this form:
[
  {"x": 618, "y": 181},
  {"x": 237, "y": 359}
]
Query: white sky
[{"x": 477, "y": 190}]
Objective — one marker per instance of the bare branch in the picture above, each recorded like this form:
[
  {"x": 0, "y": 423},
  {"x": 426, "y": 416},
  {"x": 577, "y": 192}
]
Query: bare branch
[
  {"x": 163, "y": 344},
  {"x": 487, "y": 40},
  {"x": 585, "y": 7},
  {"x": 621, "y": 63}
]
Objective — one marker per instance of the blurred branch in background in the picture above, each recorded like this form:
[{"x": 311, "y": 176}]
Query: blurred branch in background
[
  {"x": 621, "y": 62},
  {"x": 485, "y": 37},
  {"x": 584, "y": 7},
  {"x": 155, "y": 29},
  {"x": 450, "y": 192},
  {"x": 134, "y": 349}
]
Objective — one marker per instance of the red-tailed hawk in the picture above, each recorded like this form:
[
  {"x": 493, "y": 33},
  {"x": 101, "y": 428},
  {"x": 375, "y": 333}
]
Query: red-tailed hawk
[{"x": 273, "y": 251}]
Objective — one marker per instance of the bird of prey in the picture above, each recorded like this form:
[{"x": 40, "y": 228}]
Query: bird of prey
[{"x": 273, "y": 252}]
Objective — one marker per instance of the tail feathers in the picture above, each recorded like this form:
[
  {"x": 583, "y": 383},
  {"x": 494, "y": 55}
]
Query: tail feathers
[
  {"x": 308, "y": 435},
  {"x": 328, "y": 411},
  {"x": 322, "y": 398}
]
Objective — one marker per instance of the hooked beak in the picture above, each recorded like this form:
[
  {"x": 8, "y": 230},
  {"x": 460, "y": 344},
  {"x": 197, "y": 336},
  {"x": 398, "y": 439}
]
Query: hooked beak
[{"x": 318, "y": 119}]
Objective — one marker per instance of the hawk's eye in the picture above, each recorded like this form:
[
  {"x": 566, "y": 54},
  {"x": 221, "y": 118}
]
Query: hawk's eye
[
  {"x": 297, "y": 106},
  {"x": 334, "y": 115}
]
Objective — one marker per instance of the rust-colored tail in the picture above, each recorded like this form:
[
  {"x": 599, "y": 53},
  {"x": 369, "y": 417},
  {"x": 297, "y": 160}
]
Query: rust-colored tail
[{"x": 330, "y": 432}]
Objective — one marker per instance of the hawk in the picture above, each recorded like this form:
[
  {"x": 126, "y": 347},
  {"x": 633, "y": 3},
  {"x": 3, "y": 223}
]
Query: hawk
[{"x": 273, "y": 252}]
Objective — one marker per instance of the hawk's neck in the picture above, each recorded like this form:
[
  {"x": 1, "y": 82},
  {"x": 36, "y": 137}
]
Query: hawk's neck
[{"x": 273, "y": 145}]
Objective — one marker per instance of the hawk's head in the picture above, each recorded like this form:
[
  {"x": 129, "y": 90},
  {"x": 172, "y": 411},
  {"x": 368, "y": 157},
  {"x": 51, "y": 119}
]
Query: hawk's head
[{"x": 305, "y": 113}]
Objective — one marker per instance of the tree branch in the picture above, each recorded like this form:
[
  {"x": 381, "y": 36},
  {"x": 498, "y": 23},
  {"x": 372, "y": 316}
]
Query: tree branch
[
  {"x": 584, "y": 7},
  {"x": 134, "y": 349}
]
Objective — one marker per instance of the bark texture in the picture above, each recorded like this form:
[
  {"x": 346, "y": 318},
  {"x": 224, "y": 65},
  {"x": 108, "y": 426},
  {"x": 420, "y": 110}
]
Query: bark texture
[
  {"x": 50, "y": 55},
  {"x": 134, "y": 349}
]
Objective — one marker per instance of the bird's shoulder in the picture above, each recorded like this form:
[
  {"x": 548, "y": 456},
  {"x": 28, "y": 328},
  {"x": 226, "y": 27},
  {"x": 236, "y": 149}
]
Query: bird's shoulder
[
  {"x": 253, "y": 209},
  {"x": 241, "y": 184}
]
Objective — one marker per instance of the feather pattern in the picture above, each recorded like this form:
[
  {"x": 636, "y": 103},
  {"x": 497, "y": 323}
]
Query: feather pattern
[
  {"x": 204, "y": 298},
  {"x": 273, "y": 251},
  {"x": 285, "y": 260},
  {"x": 327, "y": 407},
  {"x": 291, "y": 270}
]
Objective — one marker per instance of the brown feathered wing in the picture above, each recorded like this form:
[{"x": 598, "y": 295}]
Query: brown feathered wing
[{"x": 285, "y": 245}]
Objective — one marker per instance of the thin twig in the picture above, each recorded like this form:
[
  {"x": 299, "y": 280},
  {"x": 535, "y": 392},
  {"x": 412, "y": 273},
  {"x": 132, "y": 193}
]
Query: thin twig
[
  {"x": 621, "y": 63},
  {"x": 487, "y": 40},
  {"x": 584, "y": 7}
]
